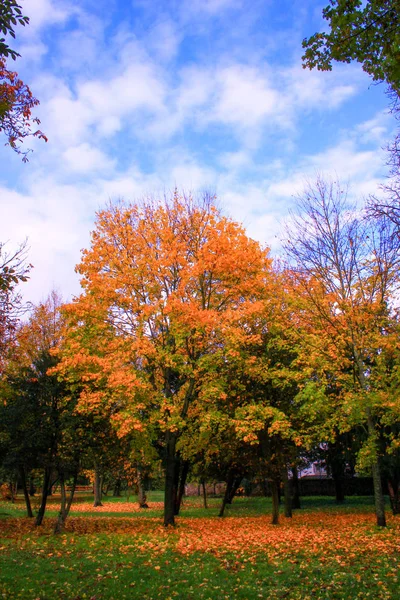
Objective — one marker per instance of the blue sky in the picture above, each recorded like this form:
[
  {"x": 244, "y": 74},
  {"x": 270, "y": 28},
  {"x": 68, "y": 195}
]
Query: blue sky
[{"x": 138, "y": 97}]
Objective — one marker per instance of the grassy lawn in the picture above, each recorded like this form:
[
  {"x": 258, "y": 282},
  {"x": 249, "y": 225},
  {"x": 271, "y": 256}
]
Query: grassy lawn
[{"x": 117, "y": 552}]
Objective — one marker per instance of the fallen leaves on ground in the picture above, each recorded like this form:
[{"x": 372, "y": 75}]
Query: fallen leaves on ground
[{"x": 337, "y": 536}]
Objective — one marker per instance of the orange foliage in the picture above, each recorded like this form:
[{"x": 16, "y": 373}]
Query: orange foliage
[{"x": 164, "y": 285}]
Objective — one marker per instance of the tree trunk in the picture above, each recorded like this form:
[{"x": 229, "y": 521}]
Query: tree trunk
[
  {"x": 142, "y": 498},
  {"x": 287, "y": 494},
  {"x": 13, "y": 490},
  {"x": 170, "y": 489},
  {"x": 45, "y": 493},
  {"x": 203, "y": 483},
  {"x": 26, "y": 493},
  {"x": 97, "y": 486},
  {"x": 235, "y": 486},
  {"x": 228, "y": 489},
  {"x": 275, "y": 501},
  {"x": 65, "y": 504},
  {"x": 296, "y": 489},
  {"x": 181, "y": 486},
  {"x": 339, "y": 491},
  {"x": 376, "y": 477},
  {"x": 117, "y": 488},
  {"x": 394, "y": 495}
]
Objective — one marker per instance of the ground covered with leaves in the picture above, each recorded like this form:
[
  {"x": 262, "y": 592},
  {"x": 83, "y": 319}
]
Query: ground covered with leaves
[{"x": 324, "y": 552}]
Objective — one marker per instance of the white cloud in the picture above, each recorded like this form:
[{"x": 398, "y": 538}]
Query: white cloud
[
  {"x": 86, "y": 159},
  {"x": 45, "y": 12}
]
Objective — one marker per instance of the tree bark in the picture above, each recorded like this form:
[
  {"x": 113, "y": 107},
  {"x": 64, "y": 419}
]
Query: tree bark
[
  {"x": 181, "y": 486},
  {"x": 287, "y": 494},
  {"x": 170, "y": 489},
  {"x": 228, "y": 489},
  {"x": 376, "y": 477},
  {"x": 142, "y": 498},
  {"x": 97, "y": 485},
  {"x": 203, "y": 484},
  {"x": 26, "y": 493},
  {"x": 65, "y": 504},
  {"x": 45, "y": 493},
  {"x": 296, "y": 489},
  {"x": 235, "y": 486},
  {"x": 339, "y": 491},
  {"x": 275, "y": 501},
  {"x": 117, "y": 488},
  {"x": 394, "y": 495}
]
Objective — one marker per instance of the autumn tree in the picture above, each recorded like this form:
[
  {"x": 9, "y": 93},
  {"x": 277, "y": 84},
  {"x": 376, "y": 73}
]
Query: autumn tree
[
  {"x": 163, "y": 283},
  {"x": 345, "y": 272}
]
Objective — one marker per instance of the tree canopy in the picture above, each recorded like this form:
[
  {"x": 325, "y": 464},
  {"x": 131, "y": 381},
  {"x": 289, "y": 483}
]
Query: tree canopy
[{"x": 368, "y": 32}]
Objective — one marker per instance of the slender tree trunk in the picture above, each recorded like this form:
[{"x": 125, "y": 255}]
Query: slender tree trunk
[
  {"x": 376, "y": 471},
  {"x": 296, "y": 489},
  {"x": 275, "y": 501},
  {"x": 65, "y": 505},
  {"x": 142, "y": 498},
  {"x": 117, "y": 488},
  {"x": 376, "y": 477},
  {"x": 170, "y": 490},
  {"x": 203, "y": 483},
  {"x": 45, "y": 493},
  {"x": 97, "y": 485},
  {"x": 26, "y": 493},
  {"x": 235, "y": 486},
  {"x": 287, "y": 494},
  {"x": 13, "y": 489},
  {"x": 394, "y": 495},
  {"x": 228, "y": 489},
  {"x": 181, "y": 486}
]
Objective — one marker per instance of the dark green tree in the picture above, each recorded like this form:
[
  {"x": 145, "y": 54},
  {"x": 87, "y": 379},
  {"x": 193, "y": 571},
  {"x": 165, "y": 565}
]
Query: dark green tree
[
  {"x": 10, "y": 16},
  {"x": 367, "y": 32}
]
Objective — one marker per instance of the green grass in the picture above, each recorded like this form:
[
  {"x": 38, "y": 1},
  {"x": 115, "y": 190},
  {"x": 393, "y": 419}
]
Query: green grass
[{"x": 147, "y": 561}]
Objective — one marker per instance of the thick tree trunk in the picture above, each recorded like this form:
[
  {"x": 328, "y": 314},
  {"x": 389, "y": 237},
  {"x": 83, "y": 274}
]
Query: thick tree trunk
[
  {"x": 394, "y": 495},
  {"x": 339, "y": 491},
  {"x": 45, "y": 493},
  {"x": 203, "y": 484},
  {"x": 181, "y": 486},
  {"x": 296, "y": 489},
  {"x": 275, "y": 501},
  {"x": 170, "y": 489},
  {"x": 287, "y": 494},
  {"x": 65, "y": 504},
  {"x": 26, "y": 493},
  {"x": 228, "y": 490}
]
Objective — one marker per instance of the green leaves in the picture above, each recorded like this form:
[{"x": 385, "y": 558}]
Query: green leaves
[
  {"x": 366, "y": 32},
  {"x": 10, "y": 16}
]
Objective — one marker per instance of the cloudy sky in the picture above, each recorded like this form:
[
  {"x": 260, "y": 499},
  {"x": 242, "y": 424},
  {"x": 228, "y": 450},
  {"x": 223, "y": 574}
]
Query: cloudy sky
[{"x": 140, "y": 96}]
